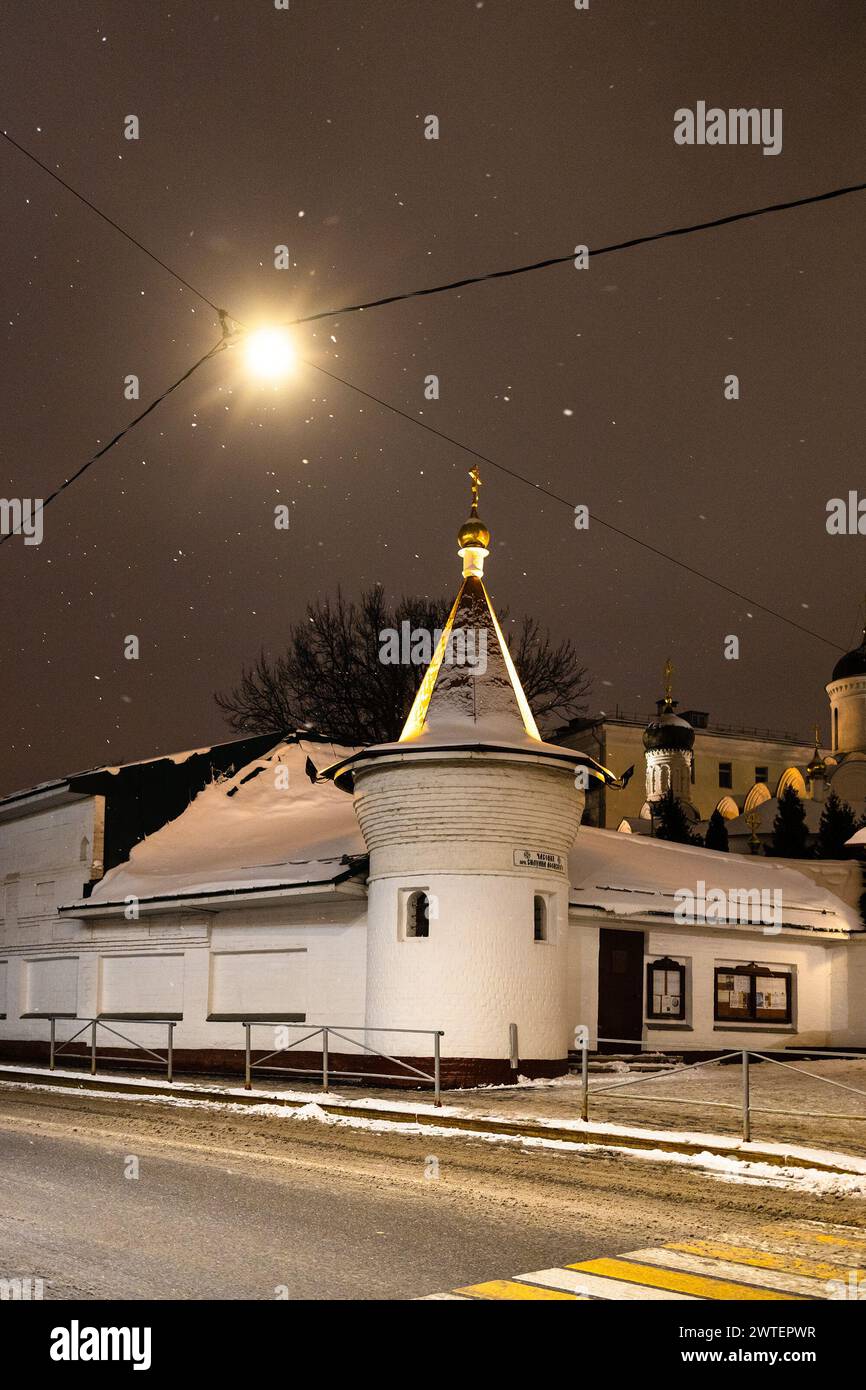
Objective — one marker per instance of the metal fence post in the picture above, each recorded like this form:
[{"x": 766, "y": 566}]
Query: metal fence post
[
  {"x": 324, "y": 1059},
  {"x": 247, "y": 1081},
  {"x": 747, "y": 1120},
  {"x": 584, "y": 1079},
  {"x": 93, "y": 1048},
  {"x": 513, "y": 1047},
  {"x": 437, "y": 1072},
  {"x": 170, "y": 1053},
  {"x": 51, "y": 1047}
]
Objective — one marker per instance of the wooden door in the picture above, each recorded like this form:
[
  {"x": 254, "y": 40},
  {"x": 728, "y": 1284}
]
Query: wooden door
[{"x": 620, "y": 987}]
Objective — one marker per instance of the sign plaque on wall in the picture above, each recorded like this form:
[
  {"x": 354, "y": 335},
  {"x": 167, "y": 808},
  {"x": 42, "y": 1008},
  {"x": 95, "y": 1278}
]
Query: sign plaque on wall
[{"x": 539, "y": 859}]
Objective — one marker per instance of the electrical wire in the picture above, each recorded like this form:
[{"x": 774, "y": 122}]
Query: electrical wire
[
  {"x": 110, "y": 220},
  {"x": 593, "y": 254},
  {"x": 556, "y": 497},
  {"x": 67, "y": 482},
  {"x": 229, "y": 338}
]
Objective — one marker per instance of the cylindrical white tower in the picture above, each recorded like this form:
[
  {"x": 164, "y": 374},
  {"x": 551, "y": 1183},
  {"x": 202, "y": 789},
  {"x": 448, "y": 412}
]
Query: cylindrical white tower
[
  {"x": 484, "y": 836},
  {"x": 469, "y": 819},
  {"x": 847, "y": 694}
]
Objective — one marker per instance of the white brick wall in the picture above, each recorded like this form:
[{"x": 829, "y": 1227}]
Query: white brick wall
[{"x": 450, "y": 825}]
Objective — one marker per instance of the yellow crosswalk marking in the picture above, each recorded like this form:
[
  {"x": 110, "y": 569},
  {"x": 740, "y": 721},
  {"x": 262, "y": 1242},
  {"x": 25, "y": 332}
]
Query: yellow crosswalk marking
[
  {"x": 718, "y": 1268},
  {"x": 761, "y": 1259},
  {"x": 827, "y": 1228},
  {"x": 805, "y": 1233},
  {"x": 698, "y": 1285},
  {"x": 772, "y": 1268},
  {"x": 608, "y": 1290},
  {"x": 510, "y": 1288}
]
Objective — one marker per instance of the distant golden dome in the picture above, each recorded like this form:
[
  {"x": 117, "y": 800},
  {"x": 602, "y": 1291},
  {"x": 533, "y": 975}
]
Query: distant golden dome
[
  {"x": 817, "y": 767},
  {"x": 473, "y": 532}
]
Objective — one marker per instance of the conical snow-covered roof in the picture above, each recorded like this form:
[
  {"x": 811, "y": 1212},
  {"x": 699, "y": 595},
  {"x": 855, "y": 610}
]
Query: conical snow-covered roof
[
  {"x": 471, "y": 696},
  {"x": 471, "y": 689}
]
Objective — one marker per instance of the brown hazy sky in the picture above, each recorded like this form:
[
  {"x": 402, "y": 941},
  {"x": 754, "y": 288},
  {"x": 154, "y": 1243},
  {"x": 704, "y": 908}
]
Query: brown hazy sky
[{"x": 556, "y": 128}]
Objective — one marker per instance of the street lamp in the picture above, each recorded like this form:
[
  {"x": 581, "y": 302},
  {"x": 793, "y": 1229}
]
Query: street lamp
[{"x": 270, "y": 353}]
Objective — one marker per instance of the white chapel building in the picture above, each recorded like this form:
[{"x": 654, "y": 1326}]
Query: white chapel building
[{"x": 441, "y": 882}]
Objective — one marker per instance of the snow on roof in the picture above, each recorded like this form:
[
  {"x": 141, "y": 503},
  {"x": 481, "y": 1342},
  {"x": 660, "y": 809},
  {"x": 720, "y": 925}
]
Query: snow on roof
[
  {"x": 471, "y": 690},
  {"x": 632, "y": 876},
  {"x": 268, "y": 824}
]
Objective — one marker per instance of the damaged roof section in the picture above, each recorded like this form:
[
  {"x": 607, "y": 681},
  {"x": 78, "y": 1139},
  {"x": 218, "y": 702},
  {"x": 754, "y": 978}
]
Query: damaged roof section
[
  {"x": 141, "y": 797},
  {"x": 264, "y": 826}
]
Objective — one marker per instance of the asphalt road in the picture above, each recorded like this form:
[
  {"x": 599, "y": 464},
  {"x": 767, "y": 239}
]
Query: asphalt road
[{"x": 250, "y": 1206}]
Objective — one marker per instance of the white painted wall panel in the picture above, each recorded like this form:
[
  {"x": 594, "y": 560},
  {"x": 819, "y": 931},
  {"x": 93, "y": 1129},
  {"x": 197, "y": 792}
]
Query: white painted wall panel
[
  {"x": 259, "y": 982},
  {"x": 149, "y": 984},
  {"x": 51, "y": 986}
]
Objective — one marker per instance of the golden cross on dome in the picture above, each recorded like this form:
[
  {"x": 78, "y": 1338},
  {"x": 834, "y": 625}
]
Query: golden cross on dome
[
  {"x": 669, "y": 671},
  {"x": 476, "y": 486}
]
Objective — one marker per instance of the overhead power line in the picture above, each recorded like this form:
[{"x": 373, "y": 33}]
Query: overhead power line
[
  {"x": 121, "y": 434},
  {"x": 229, "y": 338},
  {"x": 556, "y": 497},
  {"x": 594, "y": 253},
  {"x": 110, "y": 220}
]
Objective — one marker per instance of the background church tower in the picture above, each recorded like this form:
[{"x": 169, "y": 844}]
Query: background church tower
[
  {"x": 847, "y": 694},
  {"x": 469, "y": 819},
  {"x": 668, "y": 741}
]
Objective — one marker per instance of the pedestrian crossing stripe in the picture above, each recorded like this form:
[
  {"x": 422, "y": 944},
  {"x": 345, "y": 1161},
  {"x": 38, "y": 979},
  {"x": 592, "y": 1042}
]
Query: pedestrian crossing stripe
[
  {"x": 510, "y": 1288},
  {"x": 585, "y": 1285},
  {"x": 673, "y": 1258},
  {"x": 772, "y": 1266},
  {"x": 849, "y": 1241},
  {"x": 782, "y": 1261},
  {"x": 676, "y": 1281}
]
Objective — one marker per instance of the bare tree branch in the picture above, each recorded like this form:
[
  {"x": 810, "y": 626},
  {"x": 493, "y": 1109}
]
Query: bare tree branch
[{"x": 331, "y": 677}]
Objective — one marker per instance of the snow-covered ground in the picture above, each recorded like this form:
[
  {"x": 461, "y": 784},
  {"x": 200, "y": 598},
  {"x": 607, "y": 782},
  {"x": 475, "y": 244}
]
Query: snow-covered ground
[{"x": 555, "y": 1104}]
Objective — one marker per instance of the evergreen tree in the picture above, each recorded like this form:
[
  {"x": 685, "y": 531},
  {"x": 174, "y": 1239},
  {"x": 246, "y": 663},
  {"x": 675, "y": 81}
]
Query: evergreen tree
[
  {"x": 837, "y": 825},
  {"x": 671, "y": 821},
  {"x": 717, "y": 833},
  {"x": 790, "y": 834}
]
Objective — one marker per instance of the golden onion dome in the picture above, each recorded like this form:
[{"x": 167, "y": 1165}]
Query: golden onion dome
[
  {"x": 473, "y": 532},
  {"x": 817, "y": 767}
]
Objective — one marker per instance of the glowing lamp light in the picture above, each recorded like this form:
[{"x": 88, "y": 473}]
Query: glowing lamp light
[{"x": 270, "y": 353}]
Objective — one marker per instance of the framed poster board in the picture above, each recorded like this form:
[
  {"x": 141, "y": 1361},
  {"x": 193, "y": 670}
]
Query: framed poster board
[
  {"x": 666, "y": 989},
  {"x": 752, "y": 994}
]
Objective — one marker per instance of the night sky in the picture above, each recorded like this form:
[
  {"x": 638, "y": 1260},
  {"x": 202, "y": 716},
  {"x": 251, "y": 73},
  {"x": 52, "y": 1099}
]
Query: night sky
[{"x": 305, "y": 127}]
